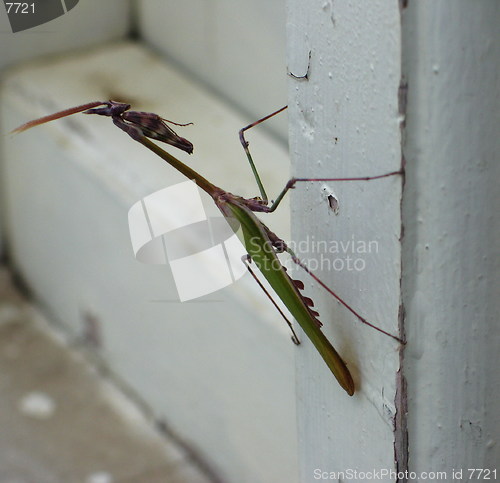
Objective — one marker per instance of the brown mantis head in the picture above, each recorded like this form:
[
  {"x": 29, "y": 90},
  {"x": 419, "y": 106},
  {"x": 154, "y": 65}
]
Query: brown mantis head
[{"x": 135, "y": 123}]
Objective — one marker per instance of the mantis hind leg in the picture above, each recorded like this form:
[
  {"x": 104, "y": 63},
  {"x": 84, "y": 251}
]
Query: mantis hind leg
[
  {"x": 246, "y": 260},
  {"x": 302, "y": 265},
  {"x": 292, "y": 182}
]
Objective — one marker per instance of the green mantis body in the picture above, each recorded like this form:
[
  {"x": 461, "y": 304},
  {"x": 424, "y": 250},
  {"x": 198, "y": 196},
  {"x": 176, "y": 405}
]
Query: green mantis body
[
  {"x": 261, "y": 244},
  {"x": 262, "y": 250}
]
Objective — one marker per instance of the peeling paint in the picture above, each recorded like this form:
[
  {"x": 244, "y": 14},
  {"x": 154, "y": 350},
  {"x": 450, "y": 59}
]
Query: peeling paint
[{"x": 331, "y": 198}]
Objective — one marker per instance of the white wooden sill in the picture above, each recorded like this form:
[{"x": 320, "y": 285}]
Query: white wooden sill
[{"x": 219, "y": 371}]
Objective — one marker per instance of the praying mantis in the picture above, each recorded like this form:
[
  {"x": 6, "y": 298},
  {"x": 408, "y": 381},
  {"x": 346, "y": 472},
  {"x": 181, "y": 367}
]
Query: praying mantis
[{"x": 260, "y": 242}]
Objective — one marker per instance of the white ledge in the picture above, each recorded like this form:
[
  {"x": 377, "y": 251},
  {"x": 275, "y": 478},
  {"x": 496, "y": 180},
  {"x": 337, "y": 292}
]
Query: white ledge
[{"x": 220, "y": 371}]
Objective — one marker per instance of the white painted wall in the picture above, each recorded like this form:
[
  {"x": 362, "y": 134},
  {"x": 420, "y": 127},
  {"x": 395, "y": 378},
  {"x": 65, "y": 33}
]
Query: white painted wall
[
  {"x": 452, "y": 228},
  {"x": 345, "y": 122},
  {"x": 235, "y": 47}
]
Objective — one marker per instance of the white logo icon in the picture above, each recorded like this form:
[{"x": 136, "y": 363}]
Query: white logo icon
[{"x": 171, "y": 226}]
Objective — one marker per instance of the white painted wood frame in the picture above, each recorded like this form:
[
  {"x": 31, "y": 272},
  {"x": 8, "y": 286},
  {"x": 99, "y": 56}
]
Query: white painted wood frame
[
  {"x": 417, "y": 81},
  {"x": 345, "y": 121}
]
